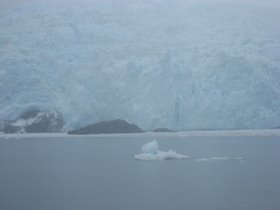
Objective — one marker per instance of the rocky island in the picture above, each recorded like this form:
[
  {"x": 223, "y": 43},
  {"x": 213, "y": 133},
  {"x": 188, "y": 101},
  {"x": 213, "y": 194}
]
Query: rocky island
[{"x": 108, "y": 127}]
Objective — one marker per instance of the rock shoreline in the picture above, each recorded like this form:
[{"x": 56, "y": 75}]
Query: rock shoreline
[{"x": 108, "y": 127}]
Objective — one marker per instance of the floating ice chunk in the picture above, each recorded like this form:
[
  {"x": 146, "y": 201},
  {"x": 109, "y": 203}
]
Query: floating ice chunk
[
  {"x": 241, "y": 159},
  {"x": 151, "y": 147},
  {"x": 202, "y": 159},
  {"x": 150, "y": 151},
  {"x": 219, "y": 158},
  {"x": 238, "y": 158},
  {"x": 161, "y": 155}
]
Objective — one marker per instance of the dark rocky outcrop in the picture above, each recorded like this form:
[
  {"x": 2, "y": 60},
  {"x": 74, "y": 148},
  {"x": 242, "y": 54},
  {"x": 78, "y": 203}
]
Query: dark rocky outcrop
[
  {"x": 107, "y": 127},
  {"x": 2, "y": 125},
  {"x": 8, "y": 128},
  {"x": 158, "y": 130},
  {"x": 48, "y": 122},
  {"x": 35, "y": 121}
]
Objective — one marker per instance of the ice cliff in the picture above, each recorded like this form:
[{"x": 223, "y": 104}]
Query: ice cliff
[{"x": 176, "y": 64}]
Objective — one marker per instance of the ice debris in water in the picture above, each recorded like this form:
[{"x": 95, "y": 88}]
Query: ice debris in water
[
  {"x": 241, "y": 159},
  {"x": 202, "y": 159},
  {"x": 238, "y": 158},
  {"x": 219, "y": 158},
  {"x": 150, "y": 151}
]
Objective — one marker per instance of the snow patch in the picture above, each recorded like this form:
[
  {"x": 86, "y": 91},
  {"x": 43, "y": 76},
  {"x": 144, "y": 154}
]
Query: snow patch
[
  {"x": 150, "y": 151},
  {"x": 26, "y": 122}
]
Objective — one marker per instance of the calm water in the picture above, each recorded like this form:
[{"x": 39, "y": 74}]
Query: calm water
[{"x": 101, "y": 173}]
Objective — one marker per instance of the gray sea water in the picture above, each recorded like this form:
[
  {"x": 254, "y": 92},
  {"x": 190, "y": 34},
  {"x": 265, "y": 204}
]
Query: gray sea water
[{"x": 100, "y": 173}]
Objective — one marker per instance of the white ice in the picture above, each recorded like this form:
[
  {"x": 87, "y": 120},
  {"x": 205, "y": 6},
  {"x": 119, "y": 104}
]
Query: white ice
[
  {"x": 219, "y": 158},
  {"x": 150, "y": 151},
  {"x": 184, "y": 65},
  {"x": 202, "y": 159},
  {"x": 150, "y": 148},
  {"x": 238, "y": 158}
]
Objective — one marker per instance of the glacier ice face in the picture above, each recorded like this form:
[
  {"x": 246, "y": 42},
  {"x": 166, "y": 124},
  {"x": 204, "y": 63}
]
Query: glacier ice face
[{"x": 176, "y": 64}]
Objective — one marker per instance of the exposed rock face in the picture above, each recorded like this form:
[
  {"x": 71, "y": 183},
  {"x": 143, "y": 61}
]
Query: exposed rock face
[
  {"x": 35, "y": 121},
  {"x": 163, "y": 130},
  {"x": 2, "y": 124},
  {"x": 113, "y": 126},
  {"x": 8, "y": 128},
  {"x": 49, "y": 122}
]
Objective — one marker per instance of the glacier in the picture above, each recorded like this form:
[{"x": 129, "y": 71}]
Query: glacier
[{"x": 183, "y": 65}]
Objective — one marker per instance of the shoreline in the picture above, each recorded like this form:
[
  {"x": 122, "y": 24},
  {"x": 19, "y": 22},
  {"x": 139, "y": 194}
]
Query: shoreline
[{"x": 213, "y": 133}]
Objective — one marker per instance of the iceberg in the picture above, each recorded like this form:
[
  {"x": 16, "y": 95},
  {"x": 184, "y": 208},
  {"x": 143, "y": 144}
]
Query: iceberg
[
  {"x": 150, "y": 147},
  {"x": 150, "y": 151}
]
